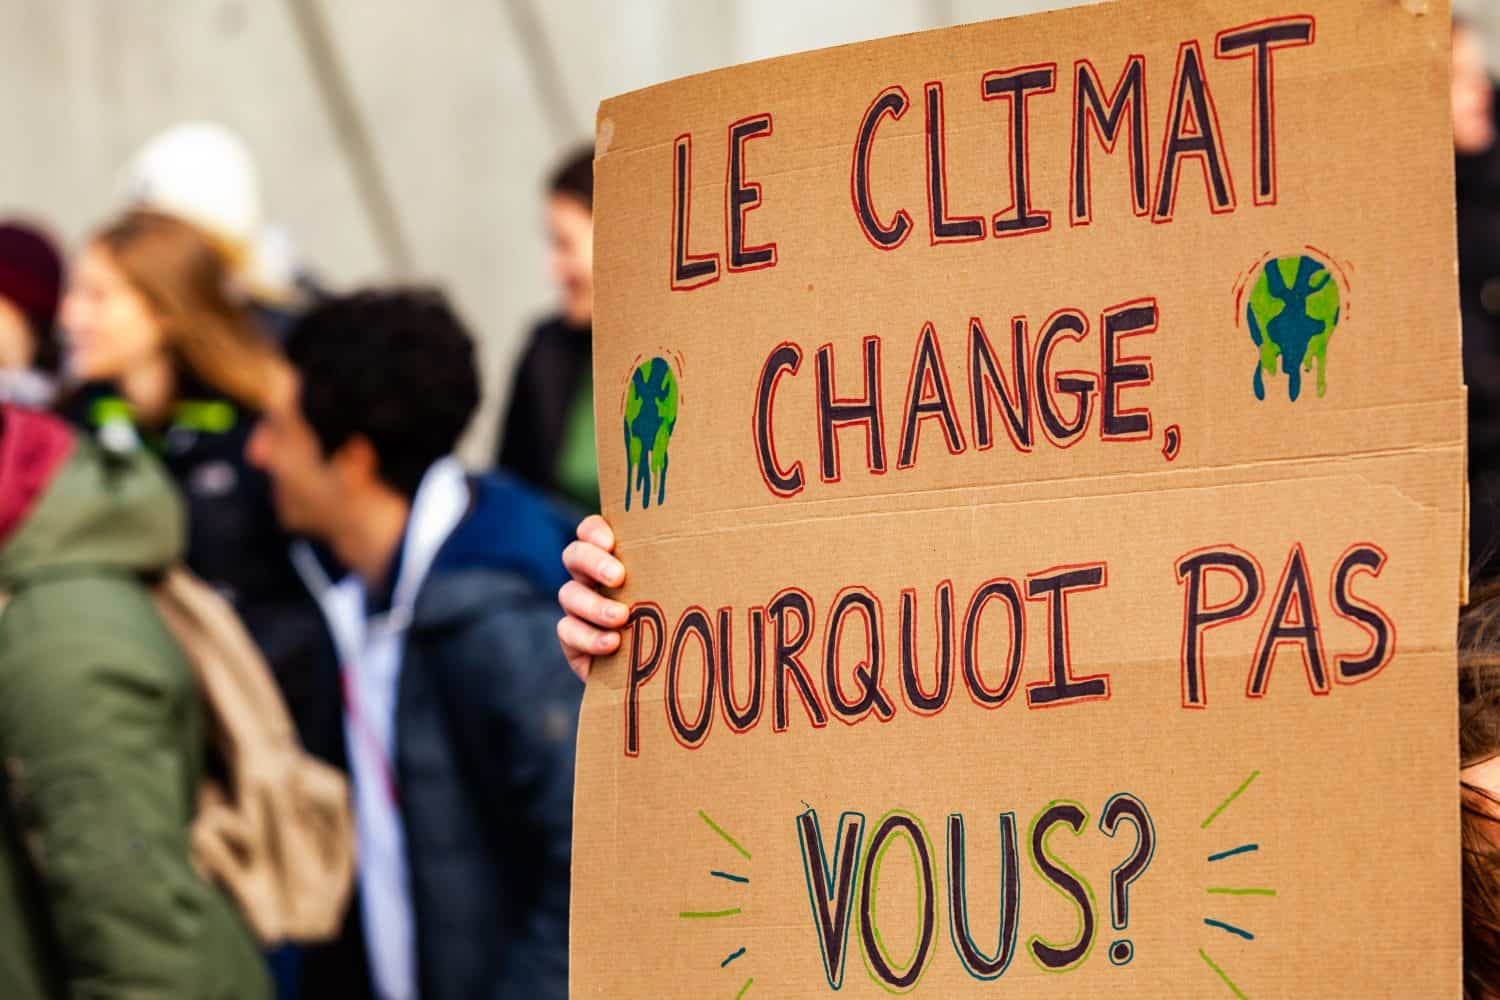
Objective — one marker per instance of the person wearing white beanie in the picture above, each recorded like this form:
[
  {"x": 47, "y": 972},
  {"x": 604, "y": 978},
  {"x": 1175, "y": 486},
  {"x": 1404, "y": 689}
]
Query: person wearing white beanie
[{"x": 203, "y": 173}]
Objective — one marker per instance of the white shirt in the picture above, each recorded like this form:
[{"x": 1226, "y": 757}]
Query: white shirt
[{"x": 369, "y": 651}]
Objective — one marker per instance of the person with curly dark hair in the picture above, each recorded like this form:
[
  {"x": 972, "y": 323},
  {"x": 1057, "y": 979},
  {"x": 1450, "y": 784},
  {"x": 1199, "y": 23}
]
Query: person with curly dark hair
[{"x": 459, "y": 720}]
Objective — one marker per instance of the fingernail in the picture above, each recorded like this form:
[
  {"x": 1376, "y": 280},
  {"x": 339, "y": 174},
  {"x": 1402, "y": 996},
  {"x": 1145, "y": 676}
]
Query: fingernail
[
  {"x": 615, "y": 612},
  {"x": 612, "y": 571},
  {"x": 604, "y": 642}
]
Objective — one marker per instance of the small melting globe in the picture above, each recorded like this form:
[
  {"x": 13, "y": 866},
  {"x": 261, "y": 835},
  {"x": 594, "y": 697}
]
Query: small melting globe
[
  {"x": 1293, "y": 311},
  {"x": 650, "y": 416}
]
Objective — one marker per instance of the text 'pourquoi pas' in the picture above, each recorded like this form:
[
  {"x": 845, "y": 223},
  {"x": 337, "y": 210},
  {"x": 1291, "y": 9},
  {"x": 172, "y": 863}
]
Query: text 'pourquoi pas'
[{"x": 851, "y": 678}]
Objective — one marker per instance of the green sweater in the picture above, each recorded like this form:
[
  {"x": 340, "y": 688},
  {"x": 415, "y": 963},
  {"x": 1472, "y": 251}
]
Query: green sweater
[{"x": 101, "y": 749}]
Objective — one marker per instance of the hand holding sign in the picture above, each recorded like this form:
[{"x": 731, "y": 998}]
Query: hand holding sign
[{"x": 587, "y": 629}]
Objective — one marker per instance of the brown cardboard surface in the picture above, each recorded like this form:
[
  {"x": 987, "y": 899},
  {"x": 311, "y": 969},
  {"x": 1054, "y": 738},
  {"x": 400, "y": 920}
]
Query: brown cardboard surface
[{"x": 1283, "y": 831}]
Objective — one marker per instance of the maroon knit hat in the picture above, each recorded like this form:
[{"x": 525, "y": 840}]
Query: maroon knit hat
[{"x": 30, "y": 274}]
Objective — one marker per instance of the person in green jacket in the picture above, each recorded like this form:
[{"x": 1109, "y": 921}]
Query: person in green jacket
[{"x": 102, "y": 733}]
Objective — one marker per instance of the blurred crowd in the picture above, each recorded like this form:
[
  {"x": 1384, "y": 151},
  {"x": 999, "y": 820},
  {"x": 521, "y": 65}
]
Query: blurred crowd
[{"x": 284, "y": 709}]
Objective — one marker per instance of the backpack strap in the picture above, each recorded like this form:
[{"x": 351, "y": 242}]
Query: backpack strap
[{"x": 279, "y": 836}]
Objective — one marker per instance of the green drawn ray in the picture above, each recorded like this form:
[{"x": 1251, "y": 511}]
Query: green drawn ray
[
  {"x": 745, "y": 989},
  {"x": 1234, "y": 795},
  {"x": 720, "y": 831},
  {"x": 708, "y": 914},
  {"x": 1222, "y": 975},
  {"x": 1242, "y": 892}
]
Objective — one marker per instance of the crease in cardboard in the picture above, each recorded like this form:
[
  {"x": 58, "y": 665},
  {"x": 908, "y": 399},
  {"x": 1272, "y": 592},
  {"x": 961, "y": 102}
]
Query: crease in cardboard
[{"x": 1290, "y": 470}]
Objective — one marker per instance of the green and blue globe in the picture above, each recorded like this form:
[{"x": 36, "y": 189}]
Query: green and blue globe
[
  {"x": 650, "y": 416},
  {"x": 1294, "y": 308}
]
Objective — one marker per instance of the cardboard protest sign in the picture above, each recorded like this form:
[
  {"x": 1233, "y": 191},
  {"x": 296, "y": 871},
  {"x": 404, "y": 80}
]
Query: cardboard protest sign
[{"x": 1037, "y": 450}]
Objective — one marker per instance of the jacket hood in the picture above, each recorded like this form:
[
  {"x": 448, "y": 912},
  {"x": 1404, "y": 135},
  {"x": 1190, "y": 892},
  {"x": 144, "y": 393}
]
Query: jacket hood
[
  {"x": 510, "y": 532},
  {"x": 92, "y": 509}
]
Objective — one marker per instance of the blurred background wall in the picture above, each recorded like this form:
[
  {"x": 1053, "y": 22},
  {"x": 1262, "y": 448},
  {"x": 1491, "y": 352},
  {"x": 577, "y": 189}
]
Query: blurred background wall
[{"x": 394, "y": 138}]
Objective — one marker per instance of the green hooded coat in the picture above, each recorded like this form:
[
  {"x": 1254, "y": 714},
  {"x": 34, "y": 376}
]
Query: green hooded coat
[{"x": 101, "y": 740}]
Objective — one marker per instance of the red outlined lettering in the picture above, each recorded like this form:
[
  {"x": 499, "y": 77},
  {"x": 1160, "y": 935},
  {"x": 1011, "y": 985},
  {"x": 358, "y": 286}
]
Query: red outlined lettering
[
  {"x": 1135, "y": 318},
  {"x": 871, "y": 672},
  {"x": 641, "y": 669},
  {"x": 741, "y": 197},
  {"x": 1287, "y": 624},
  {"x": 928, "y": 372},
  {"x": 1363, "y": 557},
  {"x": 987, "y": 386},
  {"x": 787, "y": 661},
  {"x": 1053, "y": 586},
  {"x": 918, "y": 700},
  {"x": 785, "y": 358},
  {"x": 837, "y": 412},
  {"x": 891, "y": 101},
  {"x": 742, "y": 720},
  {"x": 1196, "y": 136},
  {"x": 1007, "y": 590},
  {"x": 1199, "y": 617},
  {"x": 689, "y": 270},
  {"x": 1104, "y": 117},
  {"x": 694, "y": 621},
  {"x": 1080, "y": 384},
  {"x": 944, "y": 228},
  {"x": 1260, "y": 40},
  {"x": 1016, "y": 87}
]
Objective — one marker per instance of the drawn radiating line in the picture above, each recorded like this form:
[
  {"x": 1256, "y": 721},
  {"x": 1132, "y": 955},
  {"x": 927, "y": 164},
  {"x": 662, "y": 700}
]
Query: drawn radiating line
[
  {"x": 716, "y": 828},
  {"x": 708, "y": 914},
  {"x": 745, "y": 989},
  {"x": 1241, "y": 892},
  {"x": 731, "y": 958},
  {"x": 1244, "y": 849},
  {"x": 1222, "y": 975},
  {"x": 729, "y": 877},
  {"x": 1221, "y": 925},
  {"x": 1225, "y": 804}
]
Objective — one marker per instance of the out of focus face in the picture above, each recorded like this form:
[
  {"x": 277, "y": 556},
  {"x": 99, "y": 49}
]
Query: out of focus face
[
  {"x": 570, "y": 227},
  {"x": 1473, "y": 94},
  {"x": 1484, "y": 776},
  {"x": 17, "y": 346},
  {"x": 109, "y": 328},
  {"x": 306, "y": 487}
]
